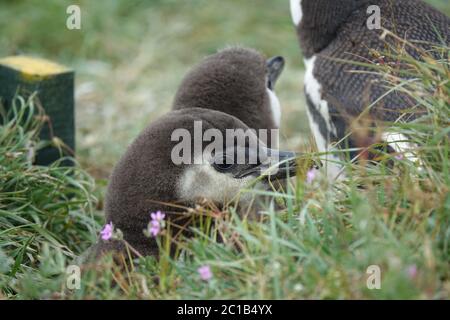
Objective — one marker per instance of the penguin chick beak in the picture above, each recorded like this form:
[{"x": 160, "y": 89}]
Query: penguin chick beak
[
  {"x": 275, "y": 66},
  {"x": 279, "y": 165},
  {"x": 274, "y": 164}
]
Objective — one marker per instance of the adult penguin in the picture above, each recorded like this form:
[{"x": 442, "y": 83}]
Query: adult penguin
[{"x": 333, "y": 35}]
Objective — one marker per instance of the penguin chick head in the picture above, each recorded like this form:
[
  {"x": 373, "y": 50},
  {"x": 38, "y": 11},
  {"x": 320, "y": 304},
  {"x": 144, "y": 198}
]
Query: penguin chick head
[
  {"x": 175, "y": 161},
  {"x": 237, "y": 81}
]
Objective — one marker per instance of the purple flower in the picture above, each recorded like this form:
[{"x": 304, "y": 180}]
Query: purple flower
[
  {"x": 310, "y": 176},
  {"x": 399, "y": 156},
  {"x": 107, "y": 231},
  {"x": 156, "y": 223},
  {"x": 158, "y": 216},
  {"x": 412, "y": 271},
  {"x": 154, "y": 228},
  {"x": 205, "y": 273}
]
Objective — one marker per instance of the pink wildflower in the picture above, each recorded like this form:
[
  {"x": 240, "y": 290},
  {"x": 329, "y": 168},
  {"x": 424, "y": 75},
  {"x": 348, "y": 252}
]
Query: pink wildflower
[
  {"x": 158, "y": 216},
  {"x": 412, "y": 271},
  {"x": 154, "y": 228},
  {"x": 310, "y": 176},
  {"x": 156, "y": 223},
  {"x": 205, "y": 273},
  {"x": 107, "y": 231}
]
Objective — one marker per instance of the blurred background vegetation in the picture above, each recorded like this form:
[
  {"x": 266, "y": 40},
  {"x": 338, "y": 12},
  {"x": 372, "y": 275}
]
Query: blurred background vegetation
[{"x": 130, "y": 56}]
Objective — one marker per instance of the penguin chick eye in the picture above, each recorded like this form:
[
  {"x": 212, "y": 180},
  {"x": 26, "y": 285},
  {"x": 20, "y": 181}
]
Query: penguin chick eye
[{"x": 223, "y": 164}]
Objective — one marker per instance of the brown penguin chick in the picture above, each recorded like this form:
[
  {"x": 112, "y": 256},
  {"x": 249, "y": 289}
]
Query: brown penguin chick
[
  {"x": 155, "y": 171},
  {"x": 237, "y": 81},
  {"x": 331, "y": 32}
]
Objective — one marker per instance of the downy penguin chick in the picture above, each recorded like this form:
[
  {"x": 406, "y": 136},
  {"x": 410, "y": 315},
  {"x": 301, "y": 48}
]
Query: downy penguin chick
[
  {"x": 237, "y": 81},
  {"x": 154, "y": 171},
  {"x": 331, "y": 32}
]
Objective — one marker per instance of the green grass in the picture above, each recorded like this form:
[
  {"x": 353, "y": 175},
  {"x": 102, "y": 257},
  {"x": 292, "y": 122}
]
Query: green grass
[
  {"x": 40, "y": 207},
  {"x": 130, "y": 56}
]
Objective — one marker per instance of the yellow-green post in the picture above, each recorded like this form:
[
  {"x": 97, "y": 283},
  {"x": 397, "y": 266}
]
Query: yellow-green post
[{"x": 54, "y": 85}]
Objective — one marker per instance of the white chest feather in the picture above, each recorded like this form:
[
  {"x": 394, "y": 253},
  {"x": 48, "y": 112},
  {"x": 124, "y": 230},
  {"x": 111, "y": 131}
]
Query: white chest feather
[
  {"x": 275, "y": 107},
  {"x": 296, "y": 11},
  {"x": 401, "y": 145},
  {"x": 313, "y": 90}
]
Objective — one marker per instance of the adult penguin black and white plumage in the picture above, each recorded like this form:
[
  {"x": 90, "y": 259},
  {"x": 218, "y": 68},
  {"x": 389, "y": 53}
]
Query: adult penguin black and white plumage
[
  {"x": 330, "y": 32},
  {"x": 151, "y": 176},
  {"x": 238, "y": 81}
]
